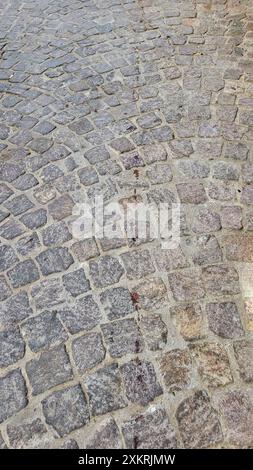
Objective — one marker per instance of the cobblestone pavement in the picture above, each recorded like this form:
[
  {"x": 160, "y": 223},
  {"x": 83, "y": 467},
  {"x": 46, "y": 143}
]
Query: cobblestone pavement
[{"x": 117, "y": 343}]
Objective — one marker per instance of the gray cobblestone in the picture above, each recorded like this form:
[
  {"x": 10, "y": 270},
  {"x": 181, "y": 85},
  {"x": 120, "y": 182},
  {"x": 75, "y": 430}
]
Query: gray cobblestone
[
  {"x": 133, "y": 102},
  {"x": 49, "y": 369},
  {"x": 13, "y": 394},
  {"x": 66, "y": 410}
]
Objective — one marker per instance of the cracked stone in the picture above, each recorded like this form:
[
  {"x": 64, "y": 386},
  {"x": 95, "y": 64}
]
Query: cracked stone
[
  {"x": 43, "y": 331},
  {"x": 88, "y": 351},
  {"x": 140, "y": 382},
  {"x": 105, "y": 390},
  {"x": 49, "y": 369},
  {"x": 66, "y": 410}
]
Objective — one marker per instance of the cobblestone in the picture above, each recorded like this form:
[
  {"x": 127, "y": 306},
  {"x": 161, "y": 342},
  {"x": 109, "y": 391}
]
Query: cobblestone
[{"x": 137, "y": 102}]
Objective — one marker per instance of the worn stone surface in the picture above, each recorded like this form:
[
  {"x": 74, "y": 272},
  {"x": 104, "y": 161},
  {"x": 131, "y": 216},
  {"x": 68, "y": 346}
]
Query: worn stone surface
[
  {"x": 66, "y": 410},
  {"x": 140, "y": 382},
  {"x": 26, "y": 435},
  {"x": 23, "y": 273},
  {"x": 186, "y": 285},
  {"x": 13, "y": 394},
  {"x": 154, "y": 331},
  {"x": 12, "y": 347},
  {"x": 189, "y": 321},
  {"x": 105, "y": 390},
  {"x": 84, "y": 314},
  {"x": 117, "y": 302},
  {"x": 175, "y": 368},
  {"x": 88, "y": 351},
  {"x": 150, "y": 430},
  {"x": 236, "y": 409},
  {"x": 54, "y": 260},
  {"x": 122, "y": 337},
  {"x": 213, "y": 364},
  {"x": 49, "y": 369},
  {"x": 244, "y": 355},
  {"x": 224, "y": 319},
  {"x": 106, "y": 271},
  {"x": 76, "y": 282},
  {"x": 43, "y": 331},
  {"x": 125, "y": 102},
  {"x": 105, "y": 436},
  {"x": 198, "y": 422}
]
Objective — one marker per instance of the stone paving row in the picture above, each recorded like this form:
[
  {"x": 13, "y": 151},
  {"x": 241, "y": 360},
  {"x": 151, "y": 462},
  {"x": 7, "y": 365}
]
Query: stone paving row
[{"x": 118, "y": 343}]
